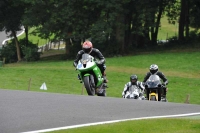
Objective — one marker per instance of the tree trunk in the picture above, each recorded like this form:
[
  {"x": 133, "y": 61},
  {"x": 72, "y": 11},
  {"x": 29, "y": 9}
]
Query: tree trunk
[
  {"x": 17, "y": 46},
  {"x": 128, "y": 35},
  {"x": 158, "y": 22},
  {"x": 120, "y": 32},
  {"x": 152, "y": 29},
  {"x": 147, "y": 36},
  {"x": 187, "y": 29},
  {"x": 182, "y": 20},
  {"x": 26, "y": 34}
]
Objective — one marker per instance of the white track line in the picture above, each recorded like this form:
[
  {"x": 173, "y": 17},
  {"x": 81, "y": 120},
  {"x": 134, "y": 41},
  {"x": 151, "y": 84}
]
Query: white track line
[
  {"x": 107, "y": 122},
  {"x": 12, "y": 37}
]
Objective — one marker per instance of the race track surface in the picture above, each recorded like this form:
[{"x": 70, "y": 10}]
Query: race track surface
[
  {"x": 23, "y": 111},
  {"x": 4, "y": 36}
]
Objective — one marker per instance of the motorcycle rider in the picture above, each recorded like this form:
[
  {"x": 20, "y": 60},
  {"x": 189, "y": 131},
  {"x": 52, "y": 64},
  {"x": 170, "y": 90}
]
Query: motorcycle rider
[
  {"x": 87, "y": 47},
  {"x": 133, "y": 84},
  {"x": 154, "y": 70}
]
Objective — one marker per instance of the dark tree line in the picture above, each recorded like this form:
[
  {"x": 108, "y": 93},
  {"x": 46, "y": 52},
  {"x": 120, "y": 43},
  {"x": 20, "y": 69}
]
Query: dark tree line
[{"x": 115, "y": 26}]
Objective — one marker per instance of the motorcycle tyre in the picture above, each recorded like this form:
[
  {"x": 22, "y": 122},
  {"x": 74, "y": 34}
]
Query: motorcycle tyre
[
  {"x": 88, "y": 85},
  {"x": 153, "y": 98}
]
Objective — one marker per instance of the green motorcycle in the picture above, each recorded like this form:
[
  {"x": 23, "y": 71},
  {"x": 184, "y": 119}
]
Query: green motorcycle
[{"x": 91, "y": 76}]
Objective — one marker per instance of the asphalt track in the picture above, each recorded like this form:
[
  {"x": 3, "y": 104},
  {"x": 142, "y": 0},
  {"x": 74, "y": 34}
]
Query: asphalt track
[
  {"x": 4, "y": 37},
  {"x": 25, "y": 111}
]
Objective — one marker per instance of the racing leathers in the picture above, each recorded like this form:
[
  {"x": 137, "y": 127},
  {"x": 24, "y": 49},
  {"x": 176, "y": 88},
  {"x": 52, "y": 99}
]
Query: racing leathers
[
  {"x": 162, "y": 76},
  {"x": 129, "y": 88}
]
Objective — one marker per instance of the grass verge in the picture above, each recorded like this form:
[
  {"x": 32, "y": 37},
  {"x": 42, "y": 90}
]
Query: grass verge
[
  {"x": 171, "y": 125},
  {"x": 181, "y": 69}
]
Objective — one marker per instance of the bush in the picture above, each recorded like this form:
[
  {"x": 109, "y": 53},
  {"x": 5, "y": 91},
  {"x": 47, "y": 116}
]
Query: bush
[
  {"x": 9, "y": 52},
  {"x": 28, "y": 53},
  {"x": 31, "y": 54}
]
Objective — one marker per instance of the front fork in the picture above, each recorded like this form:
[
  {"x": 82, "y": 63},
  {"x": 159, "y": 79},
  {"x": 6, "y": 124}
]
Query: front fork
[
  {"x": 153, "y": 94},
  {"x": 92, "y": 81}
]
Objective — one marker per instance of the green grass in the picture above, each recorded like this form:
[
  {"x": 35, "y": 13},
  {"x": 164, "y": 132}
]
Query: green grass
[
  {"x": 34, "y": 39},
  {"x": 181, "y": 69},
  {"x": 167, "y": 30},
  {"x": 171, "y": 125}
]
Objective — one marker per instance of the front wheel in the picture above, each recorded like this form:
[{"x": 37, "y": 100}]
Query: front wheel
[
  {"x": 88, "y": 85},
  {"x": 153, "y": 98}
]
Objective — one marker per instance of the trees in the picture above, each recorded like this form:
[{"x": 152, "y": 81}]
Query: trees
[
  {"x": 114, "y": 26},
  {"x": 186, "y": 13},
  {"x": 194, "y": 14},
  {"x": 11, "y": 14}
]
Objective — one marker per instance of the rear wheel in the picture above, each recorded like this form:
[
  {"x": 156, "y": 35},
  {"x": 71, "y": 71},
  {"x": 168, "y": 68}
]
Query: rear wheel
[{"x": 88, "y": 85}]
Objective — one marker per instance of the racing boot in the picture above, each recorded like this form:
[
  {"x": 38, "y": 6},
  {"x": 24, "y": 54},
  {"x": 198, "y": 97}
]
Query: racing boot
[
  {"x": 163, "y": 98},
  {"x": 105, "y": 85},
  {"x": 104, "y": 77},
  {"x": 79, "y": 78},
  {"x": 141, "y": 96}
]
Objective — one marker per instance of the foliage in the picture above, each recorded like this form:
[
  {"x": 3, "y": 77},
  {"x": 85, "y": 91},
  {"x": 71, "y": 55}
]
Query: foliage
[
  {"x": 121, "y": 26},
  {"x": 195, "y": 14},
  {"x": 69, "y": 19},
  {"x": 11, "y": 13},
  {"x": 73, "y": 48},
  {"x": 29, "y": 52},
  {"x": 9, "y": 53}
]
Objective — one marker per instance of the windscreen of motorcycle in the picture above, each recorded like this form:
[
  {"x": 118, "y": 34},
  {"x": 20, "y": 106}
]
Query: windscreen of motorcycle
[
  {"x": 85, "y": 62},
  {"x": 153, "y": 81}
]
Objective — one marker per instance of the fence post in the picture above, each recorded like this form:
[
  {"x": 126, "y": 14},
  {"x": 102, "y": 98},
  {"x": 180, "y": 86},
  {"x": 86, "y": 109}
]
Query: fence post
[
  {"x": 58, "y": 45},
  {"x": 187, "y": 99},
  {"x": 29, "y": 84}
]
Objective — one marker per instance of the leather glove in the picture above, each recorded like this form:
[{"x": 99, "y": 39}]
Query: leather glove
[
  {"x": 164, "y": 84},
  {"x": 75, "y": 64},
  {"x": 123, "y": 94},
  {"x": 98, "y": 62}
]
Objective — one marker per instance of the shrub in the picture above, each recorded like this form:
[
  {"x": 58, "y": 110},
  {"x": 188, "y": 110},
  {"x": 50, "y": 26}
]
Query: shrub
[
  {"x": 9, "y": 52},
  {"x": 29, "y": 52}
]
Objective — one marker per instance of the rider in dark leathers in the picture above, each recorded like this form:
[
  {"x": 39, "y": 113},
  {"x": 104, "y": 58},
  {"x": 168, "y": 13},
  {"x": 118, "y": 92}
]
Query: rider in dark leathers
[
  {"x": 87, "y": 47},
  {"x": 154, "y": 70}
]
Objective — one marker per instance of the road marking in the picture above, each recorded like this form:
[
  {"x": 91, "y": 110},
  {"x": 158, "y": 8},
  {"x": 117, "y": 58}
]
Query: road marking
[
  {"x": 107, "y": 122},
  {"x": 13, "y": 37}
]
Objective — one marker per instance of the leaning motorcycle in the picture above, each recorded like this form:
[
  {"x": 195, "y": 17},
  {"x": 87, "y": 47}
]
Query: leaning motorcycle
[
  {"x": 154, "y": 88},
  {"x": 91, "y": 76}
]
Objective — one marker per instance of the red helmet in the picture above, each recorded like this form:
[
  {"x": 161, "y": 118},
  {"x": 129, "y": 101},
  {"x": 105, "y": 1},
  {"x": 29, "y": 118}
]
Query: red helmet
[{"x": 87, "y": 47}]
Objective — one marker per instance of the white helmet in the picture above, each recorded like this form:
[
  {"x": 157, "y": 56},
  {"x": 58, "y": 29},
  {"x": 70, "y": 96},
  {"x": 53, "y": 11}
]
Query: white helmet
[{"x": 153, "y": 68}]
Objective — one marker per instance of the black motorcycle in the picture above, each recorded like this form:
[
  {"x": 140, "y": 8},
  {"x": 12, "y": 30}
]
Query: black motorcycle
[{"x": 154, "y": 88}]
